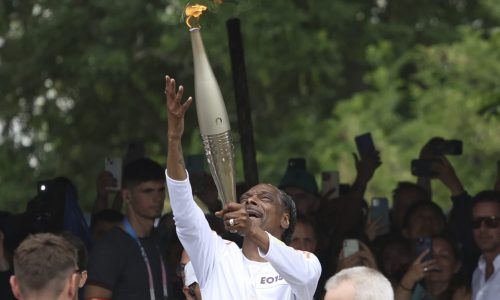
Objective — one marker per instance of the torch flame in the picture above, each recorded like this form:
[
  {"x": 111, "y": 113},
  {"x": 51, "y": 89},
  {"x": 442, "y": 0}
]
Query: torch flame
[{"x": 194, "y": 11}]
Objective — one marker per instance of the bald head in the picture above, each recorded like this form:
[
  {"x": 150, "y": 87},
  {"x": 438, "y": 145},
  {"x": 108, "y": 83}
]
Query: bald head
[{"x": 358, "y": 283}]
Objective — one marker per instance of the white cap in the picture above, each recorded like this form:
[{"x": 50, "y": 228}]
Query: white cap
[{"x": 190, "y": 277}]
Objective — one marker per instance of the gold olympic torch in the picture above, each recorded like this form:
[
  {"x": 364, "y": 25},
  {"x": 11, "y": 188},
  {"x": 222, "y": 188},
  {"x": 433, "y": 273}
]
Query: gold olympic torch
[{"x": 212, "y": 114}]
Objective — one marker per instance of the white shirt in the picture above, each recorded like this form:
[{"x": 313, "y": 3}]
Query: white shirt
[
  {"x": 490, "y": 289},
  {"x": 222, "y": 270}
]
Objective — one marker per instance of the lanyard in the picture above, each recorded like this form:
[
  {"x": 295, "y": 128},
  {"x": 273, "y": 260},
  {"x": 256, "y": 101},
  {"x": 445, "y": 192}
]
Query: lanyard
[{"x": 130, "y": 230}]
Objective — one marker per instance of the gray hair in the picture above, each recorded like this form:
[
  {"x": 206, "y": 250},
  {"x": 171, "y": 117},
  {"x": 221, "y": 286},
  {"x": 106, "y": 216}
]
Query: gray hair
[{"x": 368, "y": 283}]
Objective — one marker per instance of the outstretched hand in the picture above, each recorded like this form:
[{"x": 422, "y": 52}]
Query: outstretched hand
[
  {"x": 366, "y": 166},
  {"x": 176, "y": 109},
  {"x": 447, "y": 175}
]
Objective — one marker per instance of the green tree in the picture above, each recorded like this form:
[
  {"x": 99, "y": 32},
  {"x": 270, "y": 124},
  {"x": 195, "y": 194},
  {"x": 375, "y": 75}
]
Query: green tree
[{"x": 80, "y": 79}]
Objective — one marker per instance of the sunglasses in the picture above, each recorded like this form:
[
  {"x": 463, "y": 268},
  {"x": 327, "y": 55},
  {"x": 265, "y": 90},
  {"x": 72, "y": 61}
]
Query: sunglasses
[{"x": 490, "y": 222}]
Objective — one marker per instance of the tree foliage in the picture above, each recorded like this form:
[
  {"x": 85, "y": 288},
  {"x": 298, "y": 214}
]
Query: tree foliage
[{"x": 80, "y": 79}]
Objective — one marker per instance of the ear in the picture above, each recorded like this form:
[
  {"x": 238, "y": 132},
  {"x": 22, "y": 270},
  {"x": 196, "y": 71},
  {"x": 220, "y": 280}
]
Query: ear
[
  {"x": 126, "y": 195},
  {"x": 14, "y": 285},
  {"x": 83, "y": 279},
  {"x": 285, "y": 220}
]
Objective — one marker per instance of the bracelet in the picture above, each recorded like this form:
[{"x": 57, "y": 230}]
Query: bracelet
[{"x": 404, "y": 288}]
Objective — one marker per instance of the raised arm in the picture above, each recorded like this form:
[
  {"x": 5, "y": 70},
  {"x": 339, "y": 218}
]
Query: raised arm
[
  {"x": 365, "y": 169},
  {"x": 200, "y": 242},
  {"x": 460, "y": 217},
  {"x": 176, "y": 111}
]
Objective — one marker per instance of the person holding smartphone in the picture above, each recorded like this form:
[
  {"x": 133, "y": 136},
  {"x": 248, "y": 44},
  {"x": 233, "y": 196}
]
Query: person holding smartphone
[
  {"x": 265, "y": 267},
  {"x": 436, "y": 273}
]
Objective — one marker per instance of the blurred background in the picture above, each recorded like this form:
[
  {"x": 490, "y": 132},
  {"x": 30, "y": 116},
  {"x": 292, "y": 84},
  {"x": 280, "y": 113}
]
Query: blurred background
[{"x": 82, "y": 79}]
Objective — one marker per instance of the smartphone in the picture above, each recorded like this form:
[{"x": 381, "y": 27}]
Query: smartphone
[
  {"x": 422, "y": 245},
  {"x": 364, "y": 144},
  {"x": 114, "y": 166},
  {"x": 447, "y": 147},
  {"x": 350, "y": 246},
  {"x": 379, "y": 211},
  {"x": 297, "y": 163},
  {"x": 423, "y": 167},
  {"x": 330, "y": 184}
]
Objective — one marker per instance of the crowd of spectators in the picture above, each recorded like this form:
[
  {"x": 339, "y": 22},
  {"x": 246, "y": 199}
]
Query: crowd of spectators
[{"x": 135, "y": 253}]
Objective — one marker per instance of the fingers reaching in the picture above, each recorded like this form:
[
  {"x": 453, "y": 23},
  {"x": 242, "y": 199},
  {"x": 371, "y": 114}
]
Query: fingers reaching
[{"x": 174, "y": 98}]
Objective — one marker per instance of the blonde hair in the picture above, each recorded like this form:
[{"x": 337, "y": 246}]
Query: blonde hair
[{"x": 42, "y": 263}]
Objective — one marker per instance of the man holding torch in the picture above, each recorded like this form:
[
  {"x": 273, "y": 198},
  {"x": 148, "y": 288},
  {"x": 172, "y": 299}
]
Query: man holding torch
[{"x": 264, "y": 268}]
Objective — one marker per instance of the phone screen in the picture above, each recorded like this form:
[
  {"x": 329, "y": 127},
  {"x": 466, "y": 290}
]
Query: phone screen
[{"x": 350, "y": 246}]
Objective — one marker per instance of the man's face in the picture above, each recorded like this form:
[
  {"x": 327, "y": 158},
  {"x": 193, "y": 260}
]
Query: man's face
[
  {"x": 264, "y": 206},
  {"x": 147, "y": 198},
  {"x": 303, "y": 238},
  {"x": 344, "y": 291},
  {"x": 487, "y": 239}
]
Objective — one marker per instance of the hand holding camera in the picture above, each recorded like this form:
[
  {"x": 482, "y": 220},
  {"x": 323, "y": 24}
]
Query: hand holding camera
[
  {"x": 432, "y": 155},
  {"x": 104, "y": 181},
  {"x": 355, "y": 253},
  {"x": 446, "y": 173}
]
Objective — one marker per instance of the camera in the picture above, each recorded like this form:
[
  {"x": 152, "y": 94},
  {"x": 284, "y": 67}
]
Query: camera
[
  {"x": 442, "y": 147},
  {"x": 424, "y": 167}
]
